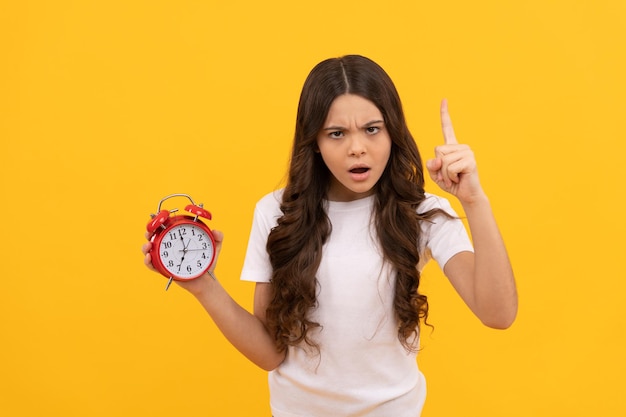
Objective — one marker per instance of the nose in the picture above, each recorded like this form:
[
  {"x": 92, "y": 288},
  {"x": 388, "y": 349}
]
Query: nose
[{"x": 357, "y": 145}]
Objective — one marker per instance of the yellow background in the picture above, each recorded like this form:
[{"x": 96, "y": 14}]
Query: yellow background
[{"x": 105, "y": 107}]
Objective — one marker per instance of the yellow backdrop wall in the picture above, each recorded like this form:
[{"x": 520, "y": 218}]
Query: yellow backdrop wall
[{"x": 107, "y": 106}]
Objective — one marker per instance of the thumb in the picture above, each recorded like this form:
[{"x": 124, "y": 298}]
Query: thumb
[
  {"x": 218, "y": 236},
  {"x": 219, "y": 239},
  {"x": 434, "y": 169},
  {"x": 433, "y": 165}
]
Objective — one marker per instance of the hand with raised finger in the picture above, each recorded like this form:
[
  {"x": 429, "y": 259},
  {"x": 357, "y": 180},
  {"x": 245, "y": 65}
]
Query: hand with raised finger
[{"x": 454, "y": 168}]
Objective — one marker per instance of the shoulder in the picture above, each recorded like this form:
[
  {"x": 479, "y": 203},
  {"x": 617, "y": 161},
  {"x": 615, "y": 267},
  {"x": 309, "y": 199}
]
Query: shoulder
[
  {"x": 442, "y": 236},
  {"x": 268, "y": 207},
  {"x": 433, "y": 201},
  {"x": 270, "y": 200}
]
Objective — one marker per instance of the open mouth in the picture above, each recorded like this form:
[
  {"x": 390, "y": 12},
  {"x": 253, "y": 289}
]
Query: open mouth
[{"x": 361, "y": 170}]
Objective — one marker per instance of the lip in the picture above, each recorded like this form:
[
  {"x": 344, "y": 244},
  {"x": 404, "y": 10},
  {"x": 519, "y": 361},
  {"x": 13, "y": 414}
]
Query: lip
[{"x": 359, "y": 176}]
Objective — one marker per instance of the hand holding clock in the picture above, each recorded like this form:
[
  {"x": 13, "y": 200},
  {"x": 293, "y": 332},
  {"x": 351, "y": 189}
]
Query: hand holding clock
[
  {"x": 196, "y": 285},
  {"x": 167, "y": 252}
]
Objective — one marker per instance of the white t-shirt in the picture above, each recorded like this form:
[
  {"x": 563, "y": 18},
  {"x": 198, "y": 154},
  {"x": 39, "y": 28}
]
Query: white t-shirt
[{"x": 362, "y": 369}]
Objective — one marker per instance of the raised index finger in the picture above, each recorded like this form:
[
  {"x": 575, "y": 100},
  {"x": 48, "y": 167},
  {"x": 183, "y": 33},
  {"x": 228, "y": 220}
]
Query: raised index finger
[{"x": 446, "y": 124}]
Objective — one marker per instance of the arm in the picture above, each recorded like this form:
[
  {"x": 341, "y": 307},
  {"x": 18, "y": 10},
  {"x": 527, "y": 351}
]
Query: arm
[
  {"x": 245, "y": 331},
  {"x": 484, "y": 279}
]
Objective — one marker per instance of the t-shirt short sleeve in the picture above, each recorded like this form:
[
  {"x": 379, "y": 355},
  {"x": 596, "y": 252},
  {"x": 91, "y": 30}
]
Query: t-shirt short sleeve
[
  {"x": 442, "y": 237},
  {"x": 256, "y": 266}
]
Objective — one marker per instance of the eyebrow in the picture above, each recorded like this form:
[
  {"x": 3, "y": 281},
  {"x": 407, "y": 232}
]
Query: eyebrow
[{"x": 366, "y": 125}]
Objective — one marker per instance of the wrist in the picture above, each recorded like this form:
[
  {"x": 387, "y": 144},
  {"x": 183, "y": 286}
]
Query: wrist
[
  {"x": 477, "y": 200},
  {"x": 201, "y": 286}
]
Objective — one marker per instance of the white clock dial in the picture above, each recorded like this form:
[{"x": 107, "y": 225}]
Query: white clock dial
[{"x": 186, "y": 251}]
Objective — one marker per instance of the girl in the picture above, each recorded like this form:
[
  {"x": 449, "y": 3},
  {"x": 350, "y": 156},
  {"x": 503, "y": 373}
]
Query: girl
[{"x": 336, "y": 255}]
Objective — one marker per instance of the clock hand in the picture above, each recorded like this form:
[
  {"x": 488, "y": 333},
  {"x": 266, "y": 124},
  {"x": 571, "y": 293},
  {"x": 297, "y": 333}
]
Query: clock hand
[
  {"x": 184, "y": 251},
  {"x": 181, "y": 261}
]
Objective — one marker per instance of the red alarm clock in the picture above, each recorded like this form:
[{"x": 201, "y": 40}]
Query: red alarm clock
[{"x": 183, "y": 247}]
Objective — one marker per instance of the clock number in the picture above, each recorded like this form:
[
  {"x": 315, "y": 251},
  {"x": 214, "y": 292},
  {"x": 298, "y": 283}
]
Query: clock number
[{"x": 187, "y": 251}]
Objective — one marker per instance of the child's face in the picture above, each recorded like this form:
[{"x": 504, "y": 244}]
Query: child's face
[{"x": 355, "y": 146}]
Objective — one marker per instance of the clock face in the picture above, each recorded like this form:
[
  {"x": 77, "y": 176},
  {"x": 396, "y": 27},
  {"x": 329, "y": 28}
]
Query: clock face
[{"x": 186, "y": 251}]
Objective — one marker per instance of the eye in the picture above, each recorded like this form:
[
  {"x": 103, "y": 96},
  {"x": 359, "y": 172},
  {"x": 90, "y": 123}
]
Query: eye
[
  {"x": 336, "y": 134},
  {"x": 372, "y": 130}
]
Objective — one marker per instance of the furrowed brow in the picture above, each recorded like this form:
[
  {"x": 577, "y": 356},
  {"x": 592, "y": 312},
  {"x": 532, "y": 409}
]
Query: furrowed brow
[
  {"x": 373, "y": 122},
  {"x": 334, "y": 128},
  {"x": 365, "y": 126}
]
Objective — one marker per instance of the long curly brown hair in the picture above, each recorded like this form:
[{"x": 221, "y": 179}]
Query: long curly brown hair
[{"x": 295, "y": 244}]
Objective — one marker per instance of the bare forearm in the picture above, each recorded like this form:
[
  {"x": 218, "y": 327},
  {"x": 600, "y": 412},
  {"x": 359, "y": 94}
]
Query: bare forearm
[
  {"x": 495, "y": 294},
  {"x": 244, "y": 331}
]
